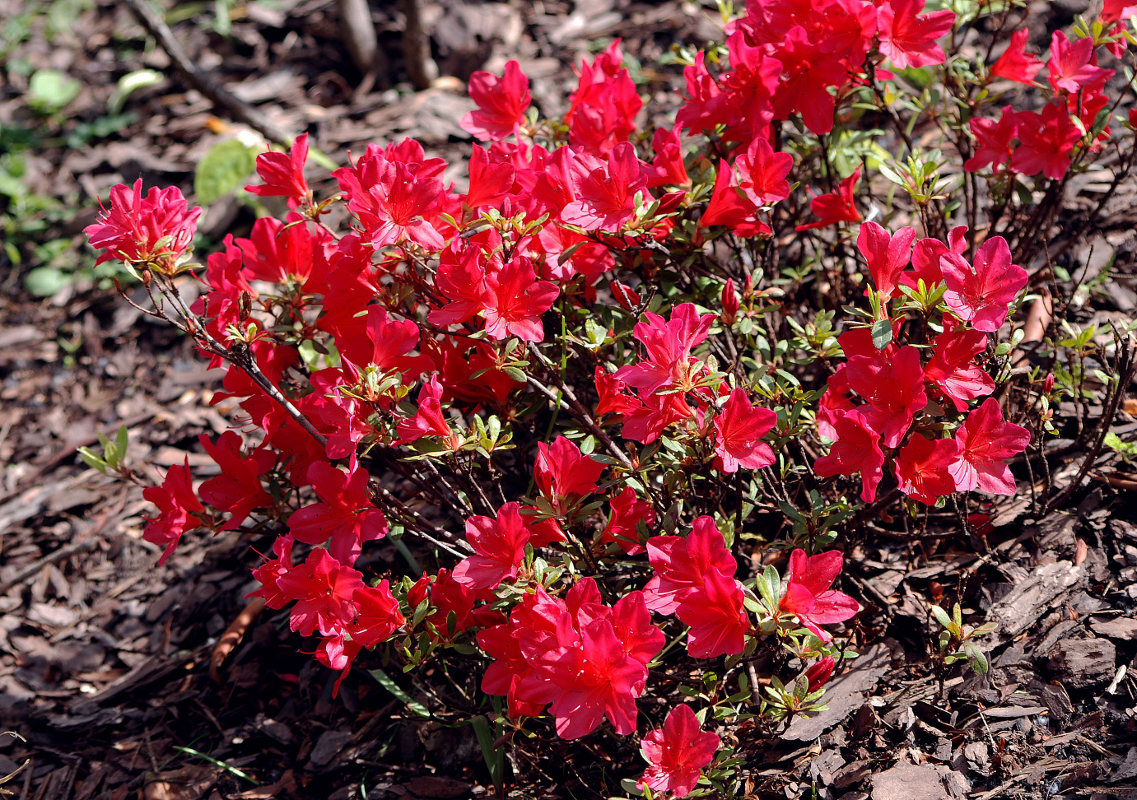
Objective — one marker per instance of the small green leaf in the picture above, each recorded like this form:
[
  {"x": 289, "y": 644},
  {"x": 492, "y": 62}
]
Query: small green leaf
[
  {"x": 387, "y": 683},
  {"x": 224, "y": 169},
  {"x": 130, "y": 83},
  {"x": 45, "y": 281},
  {"x": 941, "y": 616},
  {"x": 881, "y": 333},
  {"x": 50, "y": 90}
]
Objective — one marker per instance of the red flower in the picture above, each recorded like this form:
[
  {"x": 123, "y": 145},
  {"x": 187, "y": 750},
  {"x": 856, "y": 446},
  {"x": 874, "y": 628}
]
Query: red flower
[
  {"x": 1016, "y": 64},
  {"x": 499, "y": 548},
  {"x": 623, "y": 521},
  {"x": 740, "y": 428},
  {"x": 324, "y": 590},
  {"x": 179, "y": 506},
  {"x": 682, "y": 564},
  {"x": 1071, "y": 66},
  {"x": 667, "y": 167},
  {"x": 762, "y": 173},
  {"x": 156, "y": 229},
  {"x": 283, "y": 173},
  {"x": 515, "y": 300},
  {"x": 907, "y": 38},
  {"x": 985, "y": 442},
  {"x": 992, "y": 140},
  {"x": 819, "y": 673},
  {"x": 238, "y": 488},
  {"x": 502, "y": 103},
  {"x": 887, "y": 255},
  {"x": 809, "y": 596},
  {"x": 837, "y": 206},
  {"x": 731, "y": 208},
  {"x": 951, "y": 370},
  {"x": 1046, "y": 142},
  {"x": 564, "y": 474},
  {"x": 429, "y": 420},
  {"x": 605, "y": 195},
  {"x": 922, "y": 468},
  {"x": 716, "y": 616},
  {"x": 856, "y": 449},
  {"x": 344, "y": 518},
  {"x": 677, "y": 753},
  {"x": 893, "y": 385},
  {"x": 982, "y": 294},
  {"x": 668, "y": 345}
]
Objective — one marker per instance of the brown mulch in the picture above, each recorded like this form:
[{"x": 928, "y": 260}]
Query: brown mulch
[{"x": 105, "y": 658}]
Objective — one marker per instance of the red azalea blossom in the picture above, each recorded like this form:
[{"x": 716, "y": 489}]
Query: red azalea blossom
[
  {"x": 499, "y": 548},
  {"x": 887, "y": 255},
  {"x": 283, "y": 173},
  {"x": 908, "y": 38},
  {"x": 677, "y": 753},
  {"x": 1016, "y": 64},
  {"x": 922, "y": 468},
  {"x": 809, "y": 596},
  {"x": 835, "y": 207},
  {"x": 856, "y": 450},
  {"x": 982, "y": 293},
  {"x": 156, "y": 229},
  {"x": 986, "y": 441},
  {"x": 179, "y": 505},
  {"x": 502, "y": 103},
  {"x": 739, "y": 428}
]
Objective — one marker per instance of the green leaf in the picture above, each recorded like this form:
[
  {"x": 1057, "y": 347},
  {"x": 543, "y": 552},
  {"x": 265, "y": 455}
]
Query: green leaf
[
  {"x": 45, "y": 281},
  {"x": 881, "y": 333},
  {"x": 224, "y": 169},
  {"x": 49, "y": 90},
  {"x": 941, "y": 616},
  {"x": 130, "y": 83},
  {"x": 387, "y": 683}
]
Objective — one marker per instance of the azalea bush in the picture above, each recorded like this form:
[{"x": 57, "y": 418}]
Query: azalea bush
[{"x": 622, "y": 398}]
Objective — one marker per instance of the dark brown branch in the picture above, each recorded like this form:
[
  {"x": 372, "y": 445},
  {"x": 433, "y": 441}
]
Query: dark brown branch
[{"x": 202, "y": 81}]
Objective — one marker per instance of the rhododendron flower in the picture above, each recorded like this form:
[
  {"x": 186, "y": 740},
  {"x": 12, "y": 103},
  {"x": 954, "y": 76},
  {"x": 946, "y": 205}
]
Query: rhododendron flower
[
  {"x": 1071, "y": 65},
  {"x": 502, "y": 103},
  {"x": 564, "y": 474},
  {"x": 156, "y": 229},
  {"x": 515, "y": 300},
  {"x": 377, "y": 618},
  {"x": 887, "y": 255},
  {"x": 731, "y": 208},
  {"x": 1046, "y": 142},
  {"x": 1016, "y": 64},
  {"x": 667, "y": 167},
  {"x": 283, "y": 173},
  {"x": 892, "y": 383},
  {"x": 951, "y": 370},
  {"x": 684, "y": 563},
  {"x": 908, "y": 38},
  {"x": 922, "y": 468},
  {"x": 762, "y": 173},
  {"x": 716, "y": 616},
  {"x": 740, "y": 427},
  {"x": 603, "y": 108},
  {"x": 819, "y": 673},
  {"x": 982, "y": 293},
  {"x": 809, "y": 596},
  {"x": 677, "y": 753},
  {"x": 668, "y": 344},
  {"x": 985, "y": 442},
  {"x": 992, "y": 140},
  {"x": 490, "y": 182},
  {"x": 605, "y": 196},
  {"x": 345, "y": 517},
  {"x": 837, "y": 206},
  {"x": 179, "y": 505},
  {"x": 323, "y": 588},
  {"x": 855, "y": 450},
  {"x": 627, "y": 511},
  {"x": 429, "y": 420},
  {"x": 238, "y": 488},
  {"x": 499, "y": 548}
]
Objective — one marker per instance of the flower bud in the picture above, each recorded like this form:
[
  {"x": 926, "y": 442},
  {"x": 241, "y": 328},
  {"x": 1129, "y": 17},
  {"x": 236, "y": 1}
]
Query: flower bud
[
  {"x": 1048, "y": 383},
  {"x": 729, "y": 303},
  {"x": 820, "y": 673}
]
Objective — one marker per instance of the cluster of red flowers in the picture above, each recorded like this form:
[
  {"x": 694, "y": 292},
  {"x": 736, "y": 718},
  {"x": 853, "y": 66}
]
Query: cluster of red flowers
[
  {"x": 895, "y": 398},
  {"x": 444, "y": 296}
]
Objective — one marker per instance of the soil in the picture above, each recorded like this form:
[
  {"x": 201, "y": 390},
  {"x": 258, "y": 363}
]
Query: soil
[{"x": 105, "y": 682}]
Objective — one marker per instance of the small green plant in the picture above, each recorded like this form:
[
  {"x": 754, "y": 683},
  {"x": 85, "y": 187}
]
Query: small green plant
[{"x": 956, "y": 641}]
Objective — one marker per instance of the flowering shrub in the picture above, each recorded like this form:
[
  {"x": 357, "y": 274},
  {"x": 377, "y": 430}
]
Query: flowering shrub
[{"x": 608, "y": 383}]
